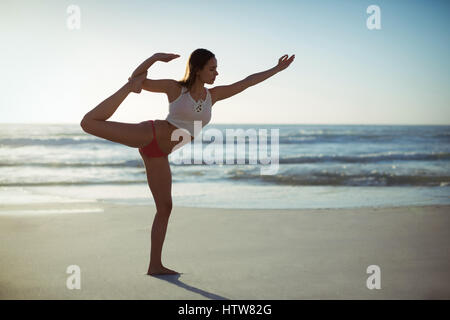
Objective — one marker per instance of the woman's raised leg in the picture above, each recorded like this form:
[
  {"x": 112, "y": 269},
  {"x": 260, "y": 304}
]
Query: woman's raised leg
[{"x": 134, "y": 135}]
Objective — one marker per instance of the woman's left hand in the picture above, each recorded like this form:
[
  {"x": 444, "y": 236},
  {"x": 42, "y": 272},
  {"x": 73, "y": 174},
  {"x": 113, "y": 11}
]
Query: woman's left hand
[
  {"x": 136, "y": 82},
  {"x": 284, "y": 62}
]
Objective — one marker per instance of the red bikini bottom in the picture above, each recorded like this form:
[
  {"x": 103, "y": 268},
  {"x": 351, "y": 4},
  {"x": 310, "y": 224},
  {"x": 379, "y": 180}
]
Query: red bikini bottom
[{"x": 152, "y": 149}]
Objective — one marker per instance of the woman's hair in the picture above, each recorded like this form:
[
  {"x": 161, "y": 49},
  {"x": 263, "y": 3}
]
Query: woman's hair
[{"x": 197, "y": 60}]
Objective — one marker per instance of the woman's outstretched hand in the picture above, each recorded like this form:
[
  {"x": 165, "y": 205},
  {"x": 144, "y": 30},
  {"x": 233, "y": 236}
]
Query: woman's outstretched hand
[
  {"x": 284, "y": 62},
  {"x": 165, "y": 57},
  {"x": 136, "y": 82}
]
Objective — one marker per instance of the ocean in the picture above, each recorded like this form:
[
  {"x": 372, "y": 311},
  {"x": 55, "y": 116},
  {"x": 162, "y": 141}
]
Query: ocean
[{"x": 319, "y": 166}]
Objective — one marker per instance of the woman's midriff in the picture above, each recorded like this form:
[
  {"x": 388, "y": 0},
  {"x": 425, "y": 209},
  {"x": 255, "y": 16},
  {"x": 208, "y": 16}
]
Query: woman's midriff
[{"x": 164, "y": 130}]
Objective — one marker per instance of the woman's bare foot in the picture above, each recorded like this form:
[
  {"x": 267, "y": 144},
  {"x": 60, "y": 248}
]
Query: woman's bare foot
[
  {"x": 160, "y": 270},
  {"x": 136, "y": 82}
]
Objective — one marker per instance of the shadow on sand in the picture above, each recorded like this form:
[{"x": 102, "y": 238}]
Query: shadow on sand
[{"x": 176, "y": 281}]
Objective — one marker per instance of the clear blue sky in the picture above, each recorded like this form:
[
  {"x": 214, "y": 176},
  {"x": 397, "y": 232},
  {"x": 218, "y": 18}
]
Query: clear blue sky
[{"x": 343, "y": 72}]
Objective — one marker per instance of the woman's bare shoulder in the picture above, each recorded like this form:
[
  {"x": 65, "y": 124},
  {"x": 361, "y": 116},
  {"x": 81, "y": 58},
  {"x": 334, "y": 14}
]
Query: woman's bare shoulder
[{"x": 174, "y": 92}]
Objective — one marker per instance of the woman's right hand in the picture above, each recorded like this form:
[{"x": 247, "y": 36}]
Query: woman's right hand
[{"x": 165, "y": 57}]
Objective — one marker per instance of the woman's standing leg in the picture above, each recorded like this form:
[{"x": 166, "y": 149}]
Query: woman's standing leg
[{"x": 159, "y": 179}]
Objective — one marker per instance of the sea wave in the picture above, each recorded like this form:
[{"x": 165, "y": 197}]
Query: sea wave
[
  {"x": 312, "y": 178},
  {"x": 74, "y": 164},
  {"x": 367, "y": 158},
  {"x": 342, "y": 179},
  {"x": 70, "y": 183},
  {"x": 138, "y": 163},
  {"x": 55, "y": 141}
]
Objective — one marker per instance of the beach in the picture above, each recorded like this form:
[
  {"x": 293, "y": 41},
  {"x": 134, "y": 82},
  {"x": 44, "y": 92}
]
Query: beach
[
  {"x": 323, "y": 179},
  {"x": 224, "y": 253}
]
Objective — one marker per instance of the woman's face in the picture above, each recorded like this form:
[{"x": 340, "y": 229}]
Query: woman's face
[{"x": 209, "y": 72}]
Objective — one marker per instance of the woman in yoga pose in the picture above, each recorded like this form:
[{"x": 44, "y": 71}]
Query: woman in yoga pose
[{"x": 189, "y": 101}]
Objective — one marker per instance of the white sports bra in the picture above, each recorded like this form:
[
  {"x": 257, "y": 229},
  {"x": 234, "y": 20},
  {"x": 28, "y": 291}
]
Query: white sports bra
[{"x": 183, "y": 111}]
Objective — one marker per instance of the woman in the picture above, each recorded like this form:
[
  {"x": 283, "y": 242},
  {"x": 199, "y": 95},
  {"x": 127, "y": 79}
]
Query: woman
[{"x": 189, "y": 100}]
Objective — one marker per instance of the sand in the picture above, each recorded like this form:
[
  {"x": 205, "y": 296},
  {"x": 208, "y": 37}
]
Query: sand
[{"x": 225, "y": 253}]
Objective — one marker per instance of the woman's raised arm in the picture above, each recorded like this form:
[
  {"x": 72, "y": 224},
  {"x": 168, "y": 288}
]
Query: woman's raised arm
[
  {"x": 165, "y": 57},
  {"x": 224, "y": 92}
]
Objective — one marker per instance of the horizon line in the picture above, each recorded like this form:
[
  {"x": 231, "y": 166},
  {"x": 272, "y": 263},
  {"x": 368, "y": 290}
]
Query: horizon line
[{"x": 258, "y": 123}]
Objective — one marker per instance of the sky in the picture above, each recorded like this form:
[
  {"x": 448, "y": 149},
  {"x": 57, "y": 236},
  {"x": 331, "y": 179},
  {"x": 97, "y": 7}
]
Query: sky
[{"x": 343, "y": 72}]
